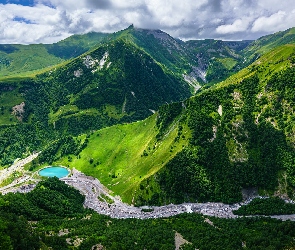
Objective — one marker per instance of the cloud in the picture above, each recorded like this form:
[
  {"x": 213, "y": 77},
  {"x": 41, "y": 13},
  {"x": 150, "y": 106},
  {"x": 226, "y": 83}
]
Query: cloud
[
  {"x": 99, "y": 4},
  {"x": 238, "y": 25},
  {"x": 273, "y": 22},
  {"x": 186, "y": 19},
  {"x": 216, "y": 5}
]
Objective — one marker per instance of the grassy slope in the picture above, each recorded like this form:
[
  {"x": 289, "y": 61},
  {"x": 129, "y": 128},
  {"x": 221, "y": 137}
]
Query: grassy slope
[
  {"x": 267, "y": 65},
  {"x": 267, "y": 43},
  {"x": 119, "y": 150},
  {"x": 27, "y": 60},
  {"x": 129, "y": 87}
]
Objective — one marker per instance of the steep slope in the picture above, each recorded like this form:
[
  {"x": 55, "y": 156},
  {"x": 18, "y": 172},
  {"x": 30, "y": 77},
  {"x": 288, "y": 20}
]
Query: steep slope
[
  {"x": 209, "y": 147},
  {"x": 114, "y": 83},
  {"x": 198, "y": 62},
  {"x": 17, "y": 59},
  {"x": 122, "y": 156},
  {"x": 267, "y": 43},
  {"x": 242, "y": 136},
  {"x": 217, "y": 59},
  {"x": 168, "y": 51},
  {"x": 239, "y": 130}
]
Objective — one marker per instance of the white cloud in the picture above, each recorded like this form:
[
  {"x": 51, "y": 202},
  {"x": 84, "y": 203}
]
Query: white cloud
[
  {"x": 238, "y": 25},
  {"x": 275, "y": 22},
  {"x": 51, "y": 20}
]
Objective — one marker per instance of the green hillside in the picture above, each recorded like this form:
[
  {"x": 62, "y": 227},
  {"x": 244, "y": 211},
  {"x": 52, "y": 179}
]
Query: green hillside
[
  {"x": 239, "y": 131},
  {"x": 241, "y": 137},
  {"x": 75, "y": 45},
  {"x": 27, "y": 60},
  {"x": 197, "y": 61},
  {"x": 116, "y": 82},
  {"x": 17, "y": 59},
  {"x": 119, "y": 107},
  {"x": 122, "y": 156},
  {"x": 267, "y": 43},
  {"x": 266, "y": 66},
  {"x": 217, "y": 59}
]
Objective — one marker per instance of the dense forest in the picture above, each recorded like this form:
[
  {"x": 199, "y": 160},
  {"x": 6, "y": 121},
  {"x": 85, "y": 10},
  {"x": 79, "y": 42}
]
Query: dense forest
[
  {"x": 266, "y": 206},
  {"x": 52, "y": 216},
  {"x": 229, "y": 137},
  {"x": 238, "y": 133}
]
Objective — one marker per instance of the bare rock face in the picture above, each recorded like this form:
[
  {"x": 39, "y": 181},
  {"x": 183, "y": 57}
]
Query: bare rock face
[{"x": 18, "y": 111}]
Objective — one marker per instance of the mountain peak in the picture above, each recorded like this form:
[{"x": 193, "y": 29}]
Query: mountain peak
[{"x": 131, "y": 27}]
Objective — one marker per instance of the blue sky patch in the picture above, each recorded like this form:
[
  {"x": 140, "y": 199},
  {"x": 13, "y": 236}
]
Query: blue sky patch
[
  {"x": 21, "y": 20},
  {"x": 21, "y": 2}
]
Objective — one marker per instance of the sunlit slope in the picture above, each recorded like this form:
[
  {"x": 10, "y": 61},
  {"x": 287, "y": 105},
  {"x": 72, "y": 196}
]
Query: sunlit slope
[
  {"x": 209, "y": 147},
  {"x": 122, "y": 156},
  {"x": 16, "y": 59},
  {"x": 116, "y": 82},
  {"x": 266, "y": 66},
  {"x": 27, "y": 60},
  {"x": 267, "y": 43}
]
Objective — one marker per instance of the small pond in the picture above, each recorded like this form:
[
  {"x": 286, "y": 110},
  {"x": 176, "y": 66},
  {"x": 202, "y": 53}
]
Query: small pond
[{"x": 59, "y": 172}]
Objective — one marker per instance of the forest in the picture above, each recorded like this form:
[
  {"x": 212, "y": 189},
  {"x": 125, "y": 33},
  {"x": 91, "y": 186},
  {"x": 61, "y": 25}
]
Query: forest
[
  {"x": 52, "y": 216},
  {"x": 248, "y": 141}
]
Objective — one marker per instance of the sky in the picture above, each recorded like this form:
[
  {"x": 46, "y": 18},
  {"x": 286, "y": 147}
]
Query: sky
[{"x": 49, "y": 21}]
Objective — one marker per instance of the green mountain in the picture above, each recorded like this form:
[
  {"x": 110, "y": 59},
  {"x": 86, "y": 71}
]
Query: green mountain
[
  {"x": 114, "y": 83},
  {"x": 187, "y": 149},
  {"x": 117, "y": 82},
  {"x": 168, "y": 51},
  {"x": 199, "y": 62},
  {"x": 119, "y": 108},
  {"x": 27, "y": 60},
  {"x": 217, "y": 59},
  {"x": 234, "y": 136},
  {"x": 267, "y": 43}
]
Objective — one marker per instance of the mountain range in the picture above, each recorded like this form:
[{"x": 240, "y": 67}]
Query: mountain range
[{"x": 155, "y": 119}]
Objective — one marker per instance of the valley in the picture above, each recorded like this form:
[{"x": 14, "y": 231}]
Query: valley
[
  {"x": 159, "y": 134},
  {"x": 100, "y": 199}
]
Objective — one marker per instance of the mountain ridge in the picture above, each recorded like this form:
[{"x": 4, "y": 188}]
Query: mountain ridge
[{"x": 219, "y": 134}]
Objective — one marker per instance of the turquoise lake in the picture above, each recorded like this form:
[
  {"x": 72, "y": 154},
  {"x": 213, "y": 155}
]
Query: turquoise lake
[{"x": 54, "y": 171}]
